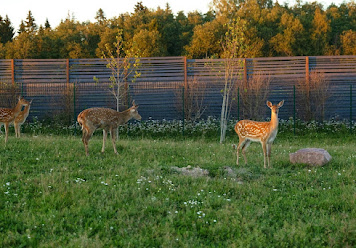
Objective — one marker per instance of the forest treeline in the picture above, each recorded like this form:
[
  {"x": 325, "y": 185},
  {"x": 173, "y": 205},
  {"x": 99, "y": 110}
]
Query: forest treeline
[{"x": 266, "y": 29}]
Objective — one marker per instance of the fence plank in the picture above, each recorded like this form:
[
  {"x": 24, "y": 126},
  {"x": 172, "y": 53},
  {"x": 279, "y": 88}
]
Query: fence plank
[{"x": 158, "y": 89}]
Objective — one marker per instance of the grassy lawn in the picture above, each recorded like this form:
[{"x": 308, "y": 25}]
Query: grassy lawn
[{"x": 53, "y": 195}]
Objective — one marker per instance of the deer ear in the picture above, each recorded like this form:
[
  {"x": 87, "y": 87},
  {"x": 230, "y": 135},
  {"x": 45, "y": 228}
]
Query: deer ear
[
  {"x": 280, "y": 104},
  {"x": 134, "y": 104},
  {"x": 269, "y": 104}
]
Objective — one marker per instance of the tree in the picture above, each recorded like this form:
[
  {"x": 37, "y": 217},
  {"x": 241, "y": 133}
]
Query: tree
[
  {"x": 226, "y": 8},
  {"x": 123, "y": 65},
  {"x": 22, "y": 47},
  {"x": 6, "y": 30},
  {"x": 147, "y": 44},
  {"x": 22, "y": 27},
  {"x": 47, "y": 44},
  {"x": 30, "y": 25},
  {"x": 206, "y": 39},
  {"x": 233, "y": 47},
  {"x": 285, "y": 42},
  {"x": 319, "y": 34},
  {"x": 106, "y": 46},
  {"x": 47, "y": 25},
  {"x": 348, "y": 42},
  {"x": 100, "y": 17},
  {"x": 163, "y": 22},
  {"x": 71, "y": 35}
]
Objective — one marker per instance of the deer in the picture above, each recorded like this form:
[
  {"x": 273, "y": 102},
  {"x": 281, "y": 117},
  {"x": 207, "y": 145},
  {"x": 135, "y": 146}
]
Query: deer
[
  {"x": 107, "y": 119},
  {"x": 263, "y": 132},
  {"x": 21, "y": 118},
  {"x": 8, "y": 115}
]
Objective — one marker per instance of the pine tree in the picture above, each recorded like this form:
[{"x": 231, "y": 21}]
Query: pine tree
[
  {"x": 6, "y": 30},
  {"x": 100, "y": 17},
  {"x": 30, "y": 25},
  {"x": 47, "y": 25}
]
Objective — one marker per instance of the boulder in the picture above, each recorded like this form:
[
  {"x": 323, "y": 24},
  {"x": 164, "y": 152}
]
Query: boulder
[{"x": 310, "y": 156}]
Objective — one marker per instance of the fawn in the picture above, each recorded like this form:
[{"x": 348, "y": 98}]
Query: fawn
[
  {"x": 107, "y": 119},
  {"x": 263, "y": 132},
  {"x": 8, "y": 115},
  {"x": 21, "y": 118}
]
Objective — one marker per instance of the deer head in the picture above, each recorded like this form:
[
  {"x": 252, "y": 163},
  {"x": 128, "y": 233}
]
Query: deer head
[{"x": 133, "y": 111}]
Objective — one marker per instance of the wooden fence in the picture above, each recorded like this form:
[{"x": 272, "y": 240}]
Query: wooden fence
[{"x": 65, "y": 87}]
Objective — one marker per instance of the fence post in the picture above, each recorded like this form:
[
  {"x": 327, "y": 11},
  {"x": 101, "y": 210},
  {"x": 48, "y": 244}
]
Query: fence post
[
  {"x": 238, "y": 103},
  {"x": 294, "y": 109},
  {"x": 67, "y": 72},
  {"x": 183, "y": 107},
  {"x": 351, "y": 108},
  {"x": 307, "y": 72},
  {"x": 245, "y": 72},
  {"x": 185, "y": 73},
  {"x": 74, "y": 112}
]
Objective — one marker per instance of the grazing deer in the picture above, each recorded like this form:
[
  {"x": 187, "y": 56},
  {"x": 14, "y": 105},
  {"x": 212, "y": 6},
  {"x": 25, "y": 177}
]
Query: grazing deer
[
  {"x": 8, "y": 115},
  {"x": 21, "y": 118},
  {"x": 107, "y": 119},
  {"x": 263, "y": 132}
]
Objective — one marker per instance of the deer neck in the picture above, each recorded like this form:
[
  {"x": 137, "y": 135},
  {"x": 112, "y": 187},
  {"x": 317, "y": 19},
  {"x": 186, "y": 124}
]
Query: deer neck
[
  {"x": 125, "y": 115},
  {"x": 17, "y": 108},
  {"x": 27, "y": 109},
  {"x": 274, "y": 120}
]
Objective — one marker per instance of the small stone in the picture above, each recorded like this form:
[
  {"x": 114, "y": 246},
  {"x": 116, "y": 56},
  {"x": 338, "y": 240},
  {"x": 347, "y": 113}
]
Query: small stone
[{"x": 310, "y": 156}]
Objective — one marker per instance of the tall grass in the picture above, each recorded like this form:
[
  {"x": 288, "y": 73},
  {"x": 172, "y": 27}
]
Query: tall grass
[{"x": 53, "y": 195}]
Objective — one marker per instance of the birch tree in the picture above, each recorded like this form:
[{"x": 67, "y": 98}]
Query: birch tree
[
  {"x": 124, "y": 66},
  {"x": 234, "y": 47}
]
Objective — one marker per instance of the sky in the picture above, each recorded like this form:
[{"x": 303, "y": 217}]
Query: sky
[{"x": 58, "y": 10}]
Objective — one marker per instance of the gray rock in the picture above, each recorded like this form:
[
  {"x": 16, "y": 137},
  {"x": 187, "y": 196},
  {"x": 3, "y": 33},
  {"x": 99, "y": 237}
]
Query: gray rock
[
  {"x": 310, "y": 156},
  {"x": 192, "y": 171}
]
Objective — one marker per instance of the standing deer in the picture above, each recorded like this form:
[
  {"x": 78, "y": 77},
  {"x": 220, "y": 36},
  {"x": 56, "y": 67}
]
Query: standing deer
[
  {"x": 263, "y": 132},
  {"x": 107, "y": 119},
  {"x": 21, "y": 118},
  {"x": 8, "y": 115}
]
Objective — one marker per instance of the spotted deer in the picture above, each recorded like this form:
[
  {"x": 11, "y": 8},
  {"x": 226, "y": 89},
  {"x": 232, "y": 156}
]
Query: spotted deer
[
  {"x": 21, "y": 118},
  {"x": 263, "y": 132},
  {"x": 107, "y": 119},
  {"x": 8, "y": 115}
]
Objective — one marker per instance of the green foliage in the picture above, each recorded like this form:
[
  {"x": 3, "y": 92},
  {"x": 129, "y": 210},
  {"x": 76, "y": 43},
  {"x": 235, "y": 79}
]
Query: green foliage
[
  {"x": 6, "y": 30},
  {"x": 123, "y": 64},
  {"x": 202, "y": 129},
  {"x": 269, "y": 30},
  {"x": 53, "y": 195}
]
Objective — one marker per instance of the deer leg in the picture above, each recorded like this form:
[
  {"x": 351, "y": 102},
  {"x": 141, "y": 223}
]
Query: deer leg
[
  {"x": 264, "y": 148},
  {"x": 241, "y": 143},
  {"x": 6, "y": 132},
  {"x": 269, "y": 148},
  {"x": 113, "y": 133},
  {"x": 86, "y": 136},
  {"x": 16, "y": 126},
  {"x": 85, "y": 141},
  {"x": 244, "y": 149},
  {"x": 105, "y": 133}
]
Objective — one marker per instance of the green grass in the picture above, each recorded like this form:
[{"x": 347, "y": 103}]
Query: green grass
[{"x": 53, "y": 195}]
